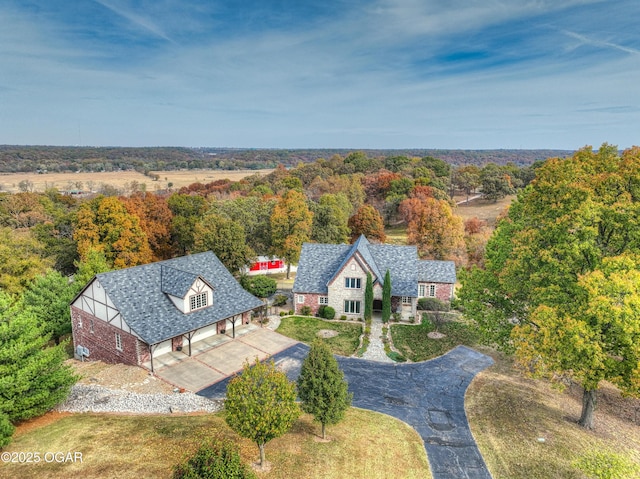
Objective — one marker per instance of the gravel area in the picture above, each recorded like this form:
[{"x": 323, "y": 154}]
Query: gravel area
[{"x": 94, "y": 398}]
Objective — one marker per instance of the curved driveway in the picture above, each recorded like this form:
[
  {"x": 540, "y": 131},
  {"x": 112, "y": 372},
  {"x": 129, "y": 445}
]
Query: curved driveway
[{"x": 428, "y": 395}]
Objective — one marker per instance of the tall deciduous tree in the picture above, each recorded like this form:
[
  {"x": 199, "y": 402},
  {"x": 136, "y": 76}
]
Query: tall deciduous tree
[
  {"x": 105, "y": 224},
  {"x": 330, "y": 217},
  {"x": 367, "y": 221},
  {"x": 22, "y": 259},
  {"x": 225, "y": 238},
  {"x": 386, "y": 298},
  {"x": 261, "y": 404},
  {"x": 155, "y": 220},
  {"x": 187, "y": 210},
  {"x": 368, "y": 297},
  {"x": 33, "y": 377},
  {"x": 321, "y": 386},
  {"x": 553, "y": 289},
  {"x": 291, "y": 223},
  {"x": 432, "y": 226},
  {"x": 496, "y": 182},
  {"x": 254, "y": 214}
]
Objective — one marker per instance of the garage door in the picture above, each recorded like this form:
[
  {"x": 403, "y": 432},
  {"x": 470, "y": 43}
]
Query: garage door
[
  {"x": 203, "y": 333},
  {"x": 162, "y": 348}
]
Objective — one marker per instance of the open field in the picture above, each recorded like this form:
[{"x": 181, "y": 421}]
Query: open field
[
  {"x": 365, "y": 445},
  {"x": 527, "y": 429},
  {"x": 483, "y": 209},
  {"x": 119, "y": 179}
]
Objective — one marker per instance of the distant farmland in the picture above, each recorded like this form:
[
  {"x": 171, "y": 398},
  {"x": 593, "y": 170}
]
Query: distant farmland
[{"x": 120, "y": 179}]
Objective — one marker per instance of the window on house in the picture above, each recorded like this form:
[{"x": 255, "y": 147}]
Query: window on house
[
  {"x": 352, "y": 307},
  {"x": 432, "y": 290},
  {"x": 197, "y": 301},
  {"x": 353, "y": 267},
  {"x": 300, "y": 299},
  {"x": 323, "y": 300},
  {"x": 406, "y": 300},
  {"x": 118, "y": 342},
  {"x": 353, "y": 283},
  {"x": 422, "y": 290}
]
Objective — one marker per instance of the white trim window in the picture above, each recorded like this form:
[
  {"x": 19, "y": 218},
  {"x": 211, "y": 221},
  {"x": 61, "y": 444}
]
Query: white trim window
[
  {"x": 300, "y": 298},
  {"x": 352, "y": 283},
  {"x": 197, "y": 301},
  {"x": 427, "y": 290},
  {"x": 323, "y": 300},
  {"x": 118, "y": 342},
  {"x": 432, "y": 290},
  {"x": 406, "y": 300},
  {"x": 351, "y": 306}
]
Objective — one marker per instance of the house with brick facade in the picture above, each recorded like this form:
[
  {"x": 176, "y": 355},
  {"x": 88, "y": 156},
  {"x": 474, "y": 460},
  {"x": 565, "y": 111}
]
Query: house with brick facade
[
  {"x": 336, "y": 274},
  {"x": 136, "y": 314}
]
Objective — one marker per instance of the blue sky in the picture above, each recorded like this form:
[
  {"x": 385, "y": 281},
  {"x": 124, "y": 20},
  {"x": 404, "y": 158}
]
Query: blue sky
[{"x": 468, "y": 74}]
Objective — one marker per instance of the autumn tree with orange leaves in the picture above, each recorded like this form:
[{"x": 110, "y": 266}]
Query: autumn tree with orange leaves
[
  {"x": 367, "y": 221},
  {"x": 155, "y": 220},
  {"x": 104, "y": 224},
  {"x": 432, "y": 226}
]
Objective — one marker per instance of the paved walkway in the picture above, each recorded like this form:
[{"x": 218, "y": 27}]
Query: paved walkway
[
  {"x": 428, "y": 395},
  {"x": 375, "y": 350}
]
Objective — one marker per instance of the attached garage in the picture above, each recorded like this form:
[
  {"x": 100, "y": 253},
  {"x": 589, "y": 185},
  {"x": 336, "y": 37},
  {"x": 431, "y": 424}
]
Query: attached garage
[
  {"x": 203, "y": 333},
  {"x": 161, "y": 348}
]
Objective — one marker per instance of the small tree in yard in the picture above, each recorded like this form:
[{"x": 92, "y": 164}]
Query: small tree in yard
[
  {"x": 386, "y": 298},
  {"x": 322, "y": 387},
  {"x": 260, "y": 285},
  {"x": 368, "y": 297},
  {"x": 218, "y": 460},
  {"x": 261, "y": 404},
  {"x": 6, "y": 430}
]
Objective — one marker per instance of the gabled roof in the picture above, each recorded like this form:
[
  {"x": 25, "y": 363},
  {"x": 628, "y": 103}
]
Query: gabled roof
[
  {"x": 432, "y": 271},
  {"x": 320, "y": 263},
  {"x": 361, "y": 246},
  {"x": 175, "y": 282},
  {"x": 138, "y": 294}
]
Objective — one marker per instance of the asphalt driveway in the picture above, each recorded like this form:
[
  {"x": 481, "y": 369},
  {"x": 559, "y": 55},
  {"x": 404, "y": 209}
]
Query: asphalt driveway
[{"x": 429, "y": 396}]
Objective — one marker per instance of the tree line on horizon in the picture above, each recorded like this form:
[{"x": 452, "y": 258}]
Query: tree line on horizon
[{"x": 23, "y": 159}]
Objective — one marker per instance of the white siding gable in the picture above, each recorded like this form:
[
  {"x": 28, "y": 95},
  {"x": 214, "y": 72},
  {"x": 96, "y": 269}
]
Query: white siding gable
[{"x": 95, "y": 301}]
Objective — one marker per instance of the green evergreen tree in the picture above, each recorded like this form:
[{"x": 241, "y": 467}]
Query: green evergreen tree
[
  {"x": 261, "y": 404},
  {"x": 386, "y": 298},
  {"x": 368, "y": 297},
  {"x": 48, "y": 298},
  {"x": 6, "y": 430},
  {"x": 33, "y": 377},
  {"x": 322, "y": 387}
]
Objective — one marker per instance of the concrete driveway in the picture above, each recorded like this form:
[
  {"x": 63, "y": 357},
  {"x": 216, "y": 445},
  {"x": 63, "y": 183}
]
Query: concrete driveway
[
  {"x": 207, "y": 366},
  {"x": 429, "y": 396}
]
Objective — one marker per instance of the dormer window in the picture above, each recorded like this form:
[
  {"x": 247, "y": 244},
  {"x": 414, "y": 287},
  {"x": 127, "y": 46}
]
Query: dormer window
[{"x": 197, "y": 301}]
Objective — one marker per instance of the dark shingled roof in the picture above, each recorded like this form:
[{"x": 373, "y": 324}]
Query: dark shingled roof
[
  {"x": 138, "y": 294},
  {"x": 432, "y": 271},
  {"x": 319, "y": 263}
]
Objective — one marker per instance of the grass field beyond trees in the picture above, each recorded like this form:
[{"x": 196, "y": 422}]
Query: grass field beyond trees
[
  {"x": 305, "y": 329},
  {"x": 129, "y": 446}
]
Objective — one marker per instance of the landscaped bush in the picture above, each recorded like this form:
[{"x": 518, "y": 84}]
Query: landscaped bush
[
  {"x": 305, "y": 311},
  {"x": 397, "y": 357},
  {"x": 328, "y": 312},
  {"x": 260, "y": 285},
  {"x": 343, "y": 317},
  {"x": 396, "y": 317},
  {"x": 320, "y": 313},
  {"x": 280, "y": 300},
  {"x": 283, "y": 313},
  {"x": 218, "y": 460},
  {"x": 432, "y": 304}
]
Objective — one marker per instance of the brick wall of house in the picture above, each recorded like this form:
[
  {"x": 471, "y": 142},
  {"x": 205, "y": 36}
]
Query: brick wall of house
[
  {"x": 100, "y": 338},
  {"x": 338, "y": 293},
  {"x": 246, "y": 317},
  {"x": 444, "y": 292},
  {"x": 310, "y": 299},
  {"x": 143, "y": 352}
]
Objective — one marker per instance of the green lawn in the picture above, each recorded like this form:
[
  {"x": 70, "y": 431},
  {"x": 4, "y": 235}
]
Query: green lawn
[
  {"x": 413, "y": 341},
  {"x": 305, "y": 329},
  {"x": 364, "y": 445}
]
